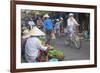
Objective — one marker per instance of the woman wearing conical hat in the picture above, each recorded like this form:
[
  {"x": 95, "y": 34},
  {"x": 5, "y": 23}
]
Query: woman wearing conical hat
[
  {"x": 34, "y": 45},
  {"x": 25, "y": 36}
]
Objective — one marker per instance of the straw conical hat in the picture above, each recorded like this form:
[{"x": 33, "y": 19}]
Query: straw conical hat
[
  {"x": 36, "y": 32},
  {"x": 23, "y": 28},
  {"x": 46, "y": 15},
  {"x": 26, "y": 33}
]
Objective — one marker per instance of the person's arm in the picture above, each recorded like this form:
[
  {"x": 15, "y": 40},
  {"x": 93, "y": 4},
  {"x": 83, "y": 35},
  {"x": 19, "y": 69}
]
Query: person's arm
[
  {"x": 40, "y": 46},
  {"x": 37, "y": 22},
  {"x": 44, "y": 24},
  {"x": 68, "y": 22},
  {"x": 33, "y": 23},
  {"x": 76, "y": 23},
  {"x": 41, "y": 22}
]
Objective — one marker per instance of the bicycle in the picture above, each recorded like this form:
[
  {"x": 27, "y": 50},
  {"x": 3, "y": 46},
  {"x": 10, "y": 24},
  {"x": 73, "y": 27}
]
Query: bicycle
[{"x": 74, "y": 40}]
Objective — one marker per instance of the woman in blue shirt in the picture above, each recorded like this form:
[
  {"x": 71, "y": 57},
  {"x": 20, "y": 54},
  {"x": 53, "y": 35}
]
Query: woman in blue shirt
[{"x": 48, "y": 26}]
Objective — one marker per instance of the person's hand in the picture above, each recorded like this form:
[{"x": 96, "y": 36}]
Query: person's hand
[
  {"x": 77, "y": 28},
  {"x": 43, "y": 43},
  {"x": 48, "y": 46},
  {"x": 78, "y": 24},
  {"x": 46, "y": 51}
]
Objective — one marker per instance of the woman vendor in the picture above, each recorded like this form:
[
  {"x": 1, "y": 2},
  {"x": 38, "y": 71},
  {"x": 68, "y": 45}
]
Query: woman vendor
[{"x": 34, "y": 45}]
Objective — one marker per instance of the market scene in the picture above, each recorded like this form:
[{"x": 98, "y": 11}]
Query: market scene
[{"x": 49, "y": 36}]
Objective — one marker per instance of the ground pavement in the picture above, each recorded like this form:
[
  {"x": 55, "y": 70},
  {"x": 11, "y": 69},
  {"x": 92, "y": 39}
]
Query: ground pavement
[{"x": 72, "y": 53}]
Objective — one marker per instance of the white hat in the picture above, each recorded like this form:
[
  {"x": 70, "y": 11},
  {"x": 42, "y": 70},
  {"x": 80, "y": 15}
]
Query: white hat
[
  {"x": 61, "y": 18},
  {"x": 57, "y": 19},
  {"x": 71, "y": 14},
  {"x": 26, "y": 33},
  {"x": 46, "y": 15},
  {"x": 36, "y": 32}
]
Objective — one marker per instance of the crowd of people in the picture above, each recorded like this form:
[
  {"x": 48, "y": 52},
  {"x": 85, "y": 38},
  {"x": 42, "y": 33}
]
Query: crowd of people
[{"x": 44, "y": 26}]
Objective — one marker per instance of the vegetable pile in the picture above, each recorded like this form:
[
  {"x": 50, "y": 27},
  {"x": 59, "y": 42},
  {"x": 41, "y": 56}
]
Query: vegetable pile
[{"x": 52, "y": 53}]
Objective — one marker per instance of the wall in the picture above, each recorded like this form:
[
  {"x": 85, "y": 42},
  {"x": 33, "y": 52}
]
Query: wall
[{"x": 5, "y": 36}]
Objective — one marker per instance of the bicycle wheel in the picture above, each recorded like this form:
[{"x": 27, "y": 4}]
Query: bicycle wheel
[
  {"x": 77, "y": 42},
  {"x": 67, "y": 40}
]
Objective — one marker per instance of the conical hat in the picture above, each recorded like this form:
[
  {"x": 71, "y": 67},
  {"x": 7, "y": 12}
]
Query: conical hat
[
  {"x": 23, "y": 28},
  {"x": 36, "y": 32},
  {"x": 26, "y": 33},
  {"x": 46, "y": 15}
]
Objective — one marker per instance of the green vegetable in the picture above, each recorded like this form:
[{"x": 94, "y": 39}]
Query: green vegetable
[{"x": 56, "y": 54}]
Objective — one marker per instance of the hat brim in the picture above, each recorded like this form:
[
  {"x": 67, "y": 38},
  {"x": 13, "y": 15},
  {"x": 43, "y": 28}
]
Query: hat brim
[
  {"x": 36, "y": 32},
  {"x": 26, "y": 36},
  {"x": 46, "y": 15}
]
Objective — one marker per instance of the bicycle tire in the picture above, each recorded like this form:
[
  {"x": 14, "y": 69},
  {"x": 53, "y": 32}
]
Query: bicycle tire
[{"x": 77, "y": 42}]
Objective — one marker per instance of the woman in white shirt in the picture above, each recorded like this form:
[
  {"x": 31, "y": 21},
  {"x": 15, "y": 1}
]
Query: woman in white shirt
[
  {"x": 32, "y": 49},
  {"x": 34, "y": 45},
  {"x": 71, "y": 24}
]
